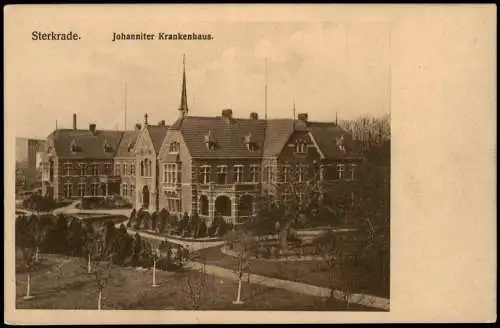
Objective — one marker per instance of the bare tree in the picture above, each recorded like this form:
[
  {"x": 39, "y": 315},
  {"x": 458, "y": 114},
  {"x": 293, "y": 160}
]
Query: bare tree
[
  {"x": 369, "y": 130},
  {"x": 100, "y": 265},
  {"x": 299, "y": 190},
  {"x": 197, "y": 285},
  {"x": 241, "y": 241},
  {"x": 155, "y": 257}
]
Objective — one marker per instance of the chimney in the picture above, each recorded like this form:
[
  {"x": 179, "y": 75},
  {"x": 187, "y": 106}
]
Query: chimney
[
  {"x": 74, "y": 121},
  {"x": 302, "y": 117},
  {"x": 92, "y": 128},
  {"x": 254, "y": 116},
  {"x": 227, "y": 114},
  {"x": 161, "y": 123},
  {"x": 138, "y": 126}
]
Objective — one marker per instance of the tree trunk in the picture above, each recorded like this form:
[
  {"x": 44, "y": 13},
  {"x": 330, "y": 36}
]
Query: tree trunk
[
  {"x": 238, "y": 295},
  {"x": 89, "y": 266},
  {"x": 28, "y": 286},
  {"x": 240, "y": 278},
  {"x": 99, "y": 299},
  {"x": 154, "y": 274},
  {"x": 283, "y": 241}
]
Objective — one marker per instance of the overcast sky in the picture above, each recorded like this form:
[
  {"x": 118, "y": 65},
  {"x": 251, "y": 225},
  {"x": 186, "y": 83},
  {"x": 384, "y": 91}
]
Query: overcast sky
[{"x": 324, "y": 67}]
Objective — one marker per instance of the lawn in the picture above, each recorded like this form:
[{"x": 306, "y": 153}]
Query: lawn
[
  {"x": 62, "y": 283},
  {"x": 302, "y": 271}
]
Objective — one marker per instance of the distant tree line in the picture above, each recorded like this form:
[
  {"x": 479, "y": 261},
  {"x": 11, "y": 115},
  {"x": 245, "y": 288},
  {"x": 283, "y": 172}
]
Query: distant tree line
[{"x": 369, "y": 130}]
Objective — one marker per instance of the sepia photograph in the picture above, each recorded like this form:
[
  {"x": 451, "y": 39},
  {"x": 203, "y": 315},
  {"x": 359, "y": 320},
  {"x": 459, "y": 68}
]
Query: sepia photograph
[{"x": 201, "y": 165}]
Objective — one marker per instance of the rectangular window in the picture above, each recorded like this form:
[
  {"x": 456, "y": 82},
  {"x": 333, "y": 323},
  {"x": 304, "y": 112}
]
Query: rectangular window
[
  {"x": 68, "y": 190},
  {"x": 254, "y": 173},
  {"x": 238, "y": 174},
  {"x": 67, "y": 169},
  {"x": 95, "y": 189},
  {"x": 107, "y": 169},
  {"x": 81, "y": 189},
  {"x": 171, "y": 173},
  {"x": 132, "y": 169},
  {"x": 117, "y": 169},
  {"x": 95, "y": 169},
  {"x": 270, "y": 174},
  {"x": 285, "y": 174},
  {"x": 173, "y": 202},
  {"x": 124, "y": 190},
  {"x": 125, "y": 169},
  {"x": 354, "y": 169},
  {"x": 132, "y": 190},
  {"x": 302, "y": 173},
  {"x": 340, "y": 171},
  {"x": 301, "y": 147},
  {"x": 205, "y": 174},
  {"x": 174, "y": 147},
  {"x": 222, "y": 174}
]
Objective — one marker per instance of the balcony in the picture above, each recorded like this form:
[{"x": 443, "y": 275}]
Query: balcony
[
  {"x": 241, "y": 186},
  {"x": 110, "y": 178}
]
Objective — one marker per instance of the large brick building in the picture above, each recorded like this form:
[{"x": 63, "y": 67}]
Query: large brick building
[
  {"x": 79, "y": 162},
  {"x": 203, "y": 165}
]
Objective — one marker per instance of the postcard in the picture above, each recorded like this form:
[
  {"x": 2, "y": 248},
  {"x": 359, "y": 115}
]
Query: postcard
[{"x": 249, "y": 163}]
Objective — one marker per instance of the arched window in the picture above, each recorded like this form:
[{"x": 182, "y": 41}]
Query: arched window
[{"x": 142, "y": 168}]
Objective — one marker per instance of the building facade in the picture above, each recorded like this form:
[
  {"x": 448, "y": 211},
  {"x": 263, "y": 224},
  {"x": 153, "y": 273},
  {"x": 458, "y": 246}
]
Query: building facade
[
  {"x": 79, "y": 163},
  {"x": 125, "y": 164},
  {"x": 146, "y": 151},
  {"x": 207, "y": 166}
]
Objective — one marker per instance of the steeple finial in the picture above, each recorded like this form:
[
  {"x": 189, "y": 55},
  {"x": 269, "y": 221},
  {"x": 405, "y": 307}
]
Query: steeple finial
[
  {"x": 145, "y": 119},
  {"x": 336, "y": 118},
  {"x": 184, "y": 106},
  {"x": 293, "y": 110}
]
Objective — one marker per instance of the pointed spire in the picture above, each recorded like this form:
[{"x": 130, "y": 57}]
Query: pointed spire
[
  {"x": 184, "y": 106},
  {"x": 336, "y": 118},
  {"x": 146, "y": 119},
  {"x": 293, "y": 110}
]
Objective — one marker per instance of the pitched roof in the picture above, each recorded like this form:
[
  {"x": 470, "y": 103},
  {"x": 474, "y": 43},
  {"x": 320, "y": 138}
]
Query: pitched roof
[
  {"x": 270, "y": 136},
  {"x": 127, "y": 143},
  {"x": 89, "y": 145},
  {"x": 229, "y": 136},
  {"x": 326, "y": 134},
  {"x": 278, "y": 131},
  {"x": 157, "y": 134}
]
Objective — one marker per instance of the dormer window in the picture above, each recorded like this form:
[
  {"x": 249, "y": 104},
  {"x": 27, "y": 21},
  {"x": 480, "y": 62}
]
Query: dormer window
[
  {"x": 107, "y": 147},
  {"x": 173, "y": 147},
  {"x": 250, "y": 142},
  {"x": 74, "y": 147},
  {"x": 130, "y": 146},
  {"x": 210, "y": 141},
  {"x": 340, "y": 144},
  {"x": 301, "y": 147}
]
